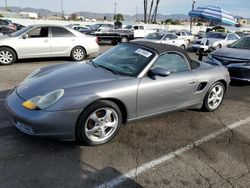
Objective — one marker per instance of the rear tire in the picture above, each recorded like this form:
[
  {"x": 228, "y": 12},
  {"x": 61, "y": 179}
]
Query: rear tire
[
  {"x": 183, "y": 47},
  {"x": 218, "y": 47},
  {"x": 78, "y": 53},
  {"x": 214, "y": 97},
  {"x": 7, "y": 56},
  {"x": 124, "y": 39},
  {"x": 98, "y": 123}
]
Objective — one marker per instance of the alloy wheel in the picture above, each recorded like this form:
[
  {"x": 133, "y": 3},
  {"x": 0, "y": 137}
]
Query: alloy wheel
[
  {"x": 6, "y": 57},
  {"x": 215, "y": 96},
  {"x": 101, "y": 124}
]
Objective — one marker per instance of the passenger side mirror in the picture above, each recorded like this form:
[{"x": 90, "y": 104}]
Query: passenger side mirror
[
  {"x": 25, "y": 36},
  {"x": 99, "y": 29},
  {"x": 229, "y": 45},
  {"x": 158, "y": 71}
]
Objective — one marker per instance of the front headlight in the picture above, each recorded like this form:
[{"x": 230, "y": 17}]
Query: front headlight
[{"x": 42, "y": 102}]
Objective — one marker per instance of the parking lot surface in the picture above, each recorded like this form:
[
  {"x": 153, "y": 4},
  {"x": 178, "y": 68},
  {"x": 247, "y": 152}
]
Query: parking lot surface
[{"x": 183, "y": 149}]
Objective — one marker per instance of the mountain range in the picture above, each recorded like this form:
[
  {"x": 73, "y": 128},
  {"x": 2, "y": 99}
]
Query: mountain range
[{"x": 47, "y": 13}]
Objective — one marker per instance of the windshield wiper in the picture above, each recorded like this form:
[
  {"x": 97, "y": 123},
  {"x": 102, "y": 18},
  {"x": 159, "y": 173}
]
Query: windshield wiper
[
  {"x": 92, "y": 62},
  {"x": 109, "y": 69}
]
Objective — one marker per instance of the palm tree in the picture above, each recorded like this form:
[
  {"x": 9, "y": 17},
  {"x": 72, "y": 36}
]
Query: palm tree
[
  {"x": 153, "y": 19},
  {"x": 151, "y": 7}
]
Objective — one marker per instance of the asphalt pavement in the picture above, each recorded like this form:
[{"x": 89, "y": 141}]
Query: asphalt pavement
[{"x": 189, "y": 148}]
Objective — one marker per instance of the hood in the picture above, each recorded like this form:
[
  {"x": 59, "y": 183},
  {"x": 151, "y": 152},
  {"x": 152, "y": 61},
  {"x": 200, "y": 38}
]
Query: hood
[
  {"x": 148, "y": 40},
  {"x": 66, "y": 76},
  {"x": 232, "y": 54}
]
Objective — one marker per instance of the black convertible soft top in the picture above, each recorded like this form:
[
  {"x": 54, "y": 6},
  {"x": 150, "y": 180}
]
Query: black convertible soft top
[{"x": 162, "y": 48}]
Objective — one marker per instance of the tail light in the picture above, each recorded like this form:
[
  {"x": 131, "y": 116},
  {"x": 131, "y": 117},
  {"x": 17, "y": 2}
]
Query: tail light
[
  {"x": 12, "y": 26},
  {"x": 97, "y": 41}
]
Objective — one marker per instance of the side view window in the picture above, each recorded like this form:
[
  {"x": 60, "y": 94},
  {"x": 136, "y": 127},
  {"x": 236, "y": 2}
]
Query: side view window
[
  {"x": 39, "y": 32},
  {"x": 136, "y": 27},
  {"x": 169, "y": 36},
  {"x": 172, "y": 62},
  {"x": 60, "y": 32}
]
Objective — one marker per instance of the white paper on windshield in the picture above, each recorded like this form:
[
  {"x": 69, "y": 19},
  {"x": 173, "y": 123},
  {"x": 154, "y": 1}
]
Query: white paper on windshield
[{"x": 143, "y": 52}]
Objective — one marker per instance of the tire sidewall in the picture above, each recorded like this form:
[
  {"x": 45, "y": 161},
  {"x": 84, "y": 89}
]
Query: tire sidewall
[
  {"x": 13, "y": 54},
  {"x": 205, "y": 103},
  {"x": 126, "y": 39},
  {"x": 80, "y": 127},
  {"x": 75, "y": 48}
]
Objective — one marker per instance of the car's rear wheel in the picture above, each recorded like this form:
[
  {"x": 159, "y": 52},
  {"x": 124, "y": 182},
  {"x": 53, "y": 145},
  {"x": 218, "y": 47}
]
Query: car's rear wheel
[
  {"x": 78, "y": 53},
  {"x": 7, "y": 56},
  {"x": 214, "y": 97},
  {"x": 99, "y": 123},
  {"x": 183, "y": 47},
  {"x": 218, "y": 46},
  {"x": 124, "y": 39}
]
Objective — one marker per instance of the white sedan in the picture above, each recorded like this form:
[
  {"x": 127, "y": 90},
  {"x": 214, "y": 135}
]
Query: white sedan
[
  {"x": 38, "y": 41},
  {"x": 165, "y": 38}
]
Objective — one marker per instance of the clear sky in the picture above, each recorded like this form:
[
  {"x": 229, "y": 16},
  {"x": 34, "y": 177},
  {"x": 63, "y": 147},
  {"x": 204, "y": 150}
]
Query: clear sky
[{"x": 236, "y": 7}]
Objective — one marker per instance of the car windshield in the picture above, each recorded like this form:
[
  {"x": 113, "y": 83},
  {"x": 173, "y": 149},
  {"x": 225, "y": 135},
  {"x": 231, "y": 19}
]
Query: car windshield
[
  {"x": 124, "y": 59},
  {"x": 95, "y": 26},
  {"x": 20, "y": 32},
  {"x": 216, "y": 35},
  {"x": 155, "y": 36},
  {"x": 243, "y": 43},
  {"x": 128, "y": 27}
]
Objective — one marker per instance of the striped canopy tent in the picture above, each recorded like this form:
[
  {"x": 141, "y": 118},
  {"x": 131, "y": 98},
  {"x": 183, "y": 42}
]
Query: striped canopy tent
[{"x": 213, "y": 14}]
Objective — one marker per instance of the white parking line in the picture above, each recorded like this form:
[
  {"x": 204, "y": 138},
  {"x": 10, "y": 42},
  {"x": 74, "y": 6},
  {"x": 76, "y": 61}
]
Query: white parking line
[{"x": 136, "y": 171}]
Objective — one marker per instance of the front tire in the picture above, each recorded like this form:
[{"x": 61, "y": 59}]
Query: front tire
[
  {"x": 7, "y": 56},
  {"x": 214, "y": 97},
  {"x": 99, "y": 123},
  {"x": 78, "y": 53}
]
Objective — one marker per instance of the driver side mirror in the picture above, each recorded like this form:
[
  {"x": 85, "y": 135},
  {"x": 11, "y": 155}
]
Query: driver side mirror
[
  {"x": 25, "y": 36},
  {"x": 158, "y": 71},
  {"x": 228, "y": 45}
]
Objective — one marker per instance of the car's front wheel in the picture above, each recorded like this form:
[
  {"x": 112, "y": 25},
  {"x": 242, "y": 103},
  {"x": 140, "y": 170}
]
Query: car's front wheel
[
  {"x": 7, "y": 56},
  {"x": 78, "y": 53},
  {"x": 214, "y": 97},
  {"x": 99, "y": 123}
]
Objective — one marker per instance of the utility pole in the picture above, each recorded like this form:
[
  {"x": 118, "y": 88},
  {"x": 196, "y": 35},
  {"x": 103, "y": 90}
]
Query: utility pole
[
  {"x": 62, "y": 9},
  {"x": 115, "y": 11},
  {"x": 136, "y": 19},
  {"x": 6, "y": 5},
  {"x": 191, "y": 19}
]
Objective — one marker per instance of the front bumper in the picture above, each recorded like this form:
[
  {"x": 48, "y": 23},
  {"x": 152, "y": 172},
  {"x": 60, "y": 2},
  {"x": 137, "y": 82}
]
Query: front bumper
[
  {"x": 54, "y": 124},
  {"x": 199, "y": 46}
]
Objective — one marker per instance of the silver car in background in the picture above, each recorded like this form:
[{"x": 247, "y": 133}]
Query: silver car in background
[
  {"x": 165, "y": 38},
  {"x": 215, "y": 40},
  {"x": 39, "y": 41}
]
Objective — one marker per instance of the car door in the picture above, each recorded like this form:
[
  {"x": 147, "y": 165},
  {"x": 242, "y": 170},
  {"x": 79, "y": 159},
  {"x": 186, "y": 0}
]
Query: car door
[
  {"x": 166, "y": 93},
  {"x": 62, "y": 41},
  {"x": 35, "y": 43},
  {"x": 168, "y": 39}
]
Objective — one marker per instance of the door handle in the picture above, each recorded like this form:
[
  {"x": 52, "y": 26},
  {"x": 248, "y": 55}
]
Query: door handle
[{"x": 191, "y": 82}]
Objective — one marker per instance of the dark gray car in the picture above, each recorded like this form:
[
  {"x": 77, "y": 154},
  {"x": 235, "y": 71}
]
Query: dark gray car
[
  {"x": 89, "y": 101},
  {"x": 236, "y": 57}
]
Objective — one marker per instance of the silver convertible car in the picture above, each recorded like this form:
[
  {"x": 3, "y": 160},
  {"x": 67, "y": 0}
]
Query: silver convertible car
[
  {"x": 89, "y": 101},
  {"x": 39, "y": 41}
]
